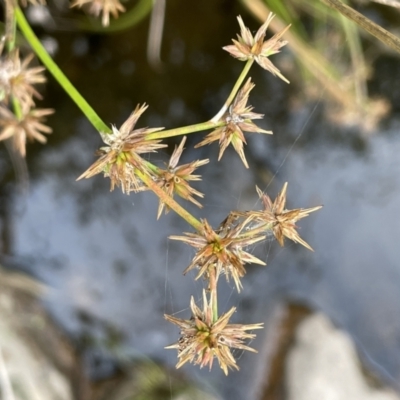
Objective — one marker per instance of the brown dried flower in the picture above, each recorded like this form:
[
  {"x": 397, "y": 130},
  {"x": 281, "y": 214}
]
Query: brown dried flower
[
  {"x": 282, "y": 220},
  {"x": 30, "y": 127},
  {"x": 175, "y": 179},
  {"x": 17, "y": 79},
  {"x": 238, "y": 119},
  {"x": 107, "y": 7},
  {"x": 222, "y": 249},
  {"x": 121, "y": 157},
  {"x": 248, "y": 47},
  {"x": 203, "y": 339}
]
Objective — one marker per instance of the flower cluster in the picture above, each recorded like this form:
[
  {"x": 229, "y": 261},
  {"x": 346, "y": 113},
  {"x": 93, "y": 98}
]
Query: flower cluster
[
  {"x": 17, "y": 93},
  {"x": 121, "y": 158},
  {"x": 104, "y": 7},
  {"x": 249, "y": 47},
  {"x": 204, "y": 338},
  {"x": 223, "y": 250},
  {"x": 282, "y": 221},
  {"x": 237, "y": 119},
  {"x": 175, "y": 178}
]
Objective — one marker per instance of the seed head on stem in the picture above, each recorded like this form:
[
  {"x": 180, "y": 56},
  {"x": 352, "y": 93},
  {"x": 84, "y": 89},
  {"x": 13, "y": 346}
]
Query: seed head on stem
[
  {"x": 29, "y": 126},
  {"x": 283, "y": 221},
  {"x": 222, "y": 249},
  {"x": 203, "y": 339},
  {"x": 17, "y": 79},
  {"x": 237, "y": 119},
  {"x": 254, "y": 47},
  {"x": 121, "y": 157},
  {"x": 175, "y": 178}
]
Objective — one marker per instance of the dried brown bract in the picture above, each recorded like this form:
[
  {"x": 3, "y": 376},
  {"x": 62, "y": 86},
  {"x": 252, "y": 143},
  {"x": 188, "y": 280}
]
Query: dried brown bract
[
  {"x": 203, "y": 339},
  {"x": 223, "y": 249},
  {"x": 248, "y": 47},
  {"x": 121, "y": 157},
  {"x": 106, "y": 7},
  {"x": 238, "y": 119},
  {"x": 175, "y": 178},
  {"x": 29, "y": 127},
  {"x": 282, "y": 220},
  {"x": 17, "y": 80}
]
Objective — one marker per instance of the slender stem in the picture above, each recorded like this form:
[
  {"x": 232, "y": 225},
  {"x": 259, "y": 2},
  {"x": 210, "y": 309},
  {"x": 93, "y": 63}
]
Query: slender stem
[
  {"x": 58, "y": 74},
  {"x": 235, "y": 89},
  {"x": 10, "y": 25},
  {"x": 169, "y": 201},
  {"x": 184, "y": 130},
  {"x": 374, "y": 29},
  {"x": 213, "y": 292}
]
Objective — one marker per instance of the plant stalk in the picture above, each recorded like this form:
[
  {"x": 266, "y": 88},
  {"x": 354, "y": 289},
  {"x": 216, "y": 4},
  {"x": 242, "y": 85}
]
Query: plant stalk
[
  {"x": 212, "y": 274},
  {"x": 235, "y": 89},
  {"x": 184, "y": 130},
  {"x": 169, "y": 201},
  {"x": 58, "y": 74}
]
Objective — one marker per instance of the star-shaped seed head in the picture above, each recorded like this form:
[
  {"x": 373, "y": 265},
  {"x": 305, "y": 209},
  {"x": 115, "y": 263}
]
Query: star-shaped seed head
[
  {"x": 17, "y": 79},
  {"x": 254, "y": 47},
  {"x": 223, "y": 249},
  {"x": 29, "y": 127},
  {"x": 237, "y": 119},
  {"x": 175, "y": 179},
  {"x": 106, "y": 7},
  {"x": 282, "y": 221},
  {"x": 121, "y": 157},
  {"x": 203, "y": 339}
]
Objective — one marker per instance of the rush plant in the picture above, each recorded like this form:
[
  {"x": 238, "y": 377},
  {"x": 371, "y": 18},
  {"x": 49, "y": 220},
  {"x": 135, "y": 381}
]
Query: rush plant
[{"x": 222, "y": 251}]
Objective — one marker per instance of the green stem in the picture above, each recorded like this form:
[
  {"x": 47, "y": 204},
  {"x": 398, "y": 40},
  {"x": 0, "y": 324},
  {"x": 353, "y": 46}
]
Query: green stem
[
  {"x": 169, "y": 201},
  {"x": 58, "y": 74},
  {"x": 235, "y": 89},
  {"x": 184, "y": 130}
]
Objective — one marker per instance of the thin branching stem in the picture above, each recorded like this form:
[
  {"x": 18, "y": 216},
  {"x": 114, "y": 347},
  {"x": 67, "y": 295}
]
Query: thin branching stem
[
  {"x": 184, "y": 130},
  {"x": 374, "y": 29},
  {"x": 169, "y": 201},
  {"x": 59, "y": 76},
  {"x": 235, "y": 89},
  {"x": 10, "y": 25}
]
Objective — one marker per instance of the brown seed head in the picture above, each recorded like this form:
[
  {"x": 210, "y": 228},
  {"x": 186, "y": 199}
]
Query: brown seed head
[
  {"x": 222, "y": 249},
  {"x": 29, "y": 127},
  {"x": 107, "y": 7},
  {"x": 17, "y": 80},
  {"x": 282, "y": 220},
  {"x": 175, "y": 178},
  {"x": 238, "y": 119},
  {"x": 203, "y": 339},
  {"x": 248, "y": 47},
  {"x": 121, "y": 157}
]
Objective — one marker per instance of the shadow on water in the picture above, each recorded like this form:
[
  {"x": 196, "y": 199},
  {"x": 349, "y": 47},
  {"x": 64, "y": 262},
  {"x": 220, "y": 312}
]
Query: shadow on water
[{"x": 110, "y": 263}]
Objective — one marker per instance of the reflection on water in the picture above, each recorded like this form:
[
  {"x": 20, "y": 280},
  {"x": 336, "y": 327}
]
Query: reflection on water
[{"x": 112, "y": 268}]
